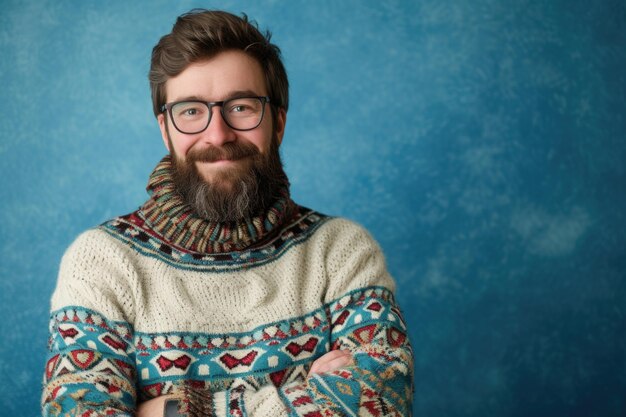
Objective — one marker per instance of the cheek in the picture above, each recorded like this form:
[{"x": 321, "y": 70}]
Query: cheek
[
  {"x": 262, "y": 138},
  {"x": 181, "y": 145},
  {"x": 261, "y": 141}
]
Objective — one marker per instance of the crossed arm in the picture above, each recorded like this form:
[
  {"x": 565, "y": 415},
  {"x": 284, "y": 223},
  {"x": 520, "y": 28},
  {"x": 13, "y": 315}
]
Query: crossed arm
[
  {"x": 367, "y": 371},
  {"x": 329, "y": 362}
]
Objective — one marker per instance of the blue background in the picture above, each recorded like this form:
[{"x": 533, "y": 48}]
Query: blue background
[{"x": 481, "y": 142}]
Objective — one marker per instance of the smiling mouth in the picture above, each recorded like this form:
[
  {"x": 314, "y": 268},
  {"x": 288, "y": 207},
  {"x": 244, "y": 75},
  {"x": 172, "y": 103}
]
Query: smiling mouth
[{"x": 225, "y": 161}]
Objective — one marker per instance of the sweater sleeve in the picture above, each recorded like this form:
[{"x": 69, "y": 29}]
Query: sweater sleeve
[
  {"x": 90, "y": 370},
  {"x": 365, "y": 319}
]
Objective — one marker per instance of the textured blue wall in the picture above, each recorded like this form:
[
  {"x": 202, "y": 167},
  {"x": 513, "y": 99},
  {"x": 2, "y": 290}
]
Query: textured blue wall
[{"x": 481, "y": 142}]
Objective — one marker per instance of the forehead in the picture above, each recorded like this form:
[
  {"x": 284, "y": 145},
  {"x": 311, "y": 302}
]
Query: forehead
[{"x": 217, "y": 78}]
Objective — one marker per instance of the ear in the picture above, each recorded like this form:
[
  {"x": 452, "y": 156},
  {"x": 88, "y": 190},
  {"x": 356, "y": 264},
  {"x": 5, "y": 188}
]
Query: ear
[
  {"x": 281, "y": 121},
  {"x": 163, "y": 128}
]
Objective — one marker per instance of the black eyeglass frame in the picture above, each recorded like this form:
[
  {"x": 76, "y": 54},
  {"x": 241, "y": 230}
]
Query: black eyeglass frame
[{"x": 210, "y": 104}]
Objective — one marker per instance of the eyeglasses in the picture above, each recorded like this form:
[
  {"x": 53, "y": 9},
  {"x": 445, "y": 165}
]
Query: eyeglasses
[{"x": 194, "y": 116}]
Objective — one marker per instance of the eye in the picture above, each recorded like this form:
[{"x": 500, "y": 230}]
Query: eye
[
  {"x": 238, "y": 108},
  {"x": 188, "y": 110},
  {"x": 243, "y": 107}
]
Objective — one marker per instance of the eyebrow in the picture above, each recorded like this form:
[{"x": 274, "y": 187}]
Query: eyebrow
[{"x": 230, "y": 95}]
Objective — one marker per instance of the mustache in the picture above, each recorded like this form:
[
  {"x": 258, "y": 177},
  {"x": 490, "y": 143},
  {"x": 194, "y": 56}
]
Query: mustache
[{"x": 229, "y": 151}]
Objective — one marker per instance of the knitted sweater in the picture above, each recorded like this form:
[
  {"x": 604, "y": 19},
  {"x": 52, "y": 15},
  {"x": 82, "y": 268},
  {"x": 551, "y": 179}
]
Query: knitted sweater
[{"x": 228, "y": 316}]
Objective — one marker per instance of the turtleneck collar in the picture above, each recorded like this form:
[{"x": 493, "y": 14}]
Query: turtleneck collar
[{"x": 167, "y": 214}]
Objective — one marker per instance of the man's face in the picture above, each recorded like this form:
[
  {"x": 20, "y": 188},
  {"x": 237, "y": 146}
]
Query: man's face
[
  {"x": 227, "y": 161},
  {"x": 224, "y": 76}
]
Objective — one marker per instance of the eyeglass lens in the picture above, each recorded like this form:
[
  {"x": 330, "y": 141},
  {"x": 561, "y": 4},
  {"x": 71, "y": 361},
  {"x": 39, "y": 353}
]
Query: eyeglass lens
[{"x": 238, "y": 113}]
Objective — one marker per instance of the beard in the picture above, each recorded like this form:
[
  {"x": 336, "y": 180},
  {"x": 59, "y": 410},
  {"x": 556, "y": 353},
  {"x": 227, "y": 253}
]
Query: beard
[{"x": 235, "y": 193}]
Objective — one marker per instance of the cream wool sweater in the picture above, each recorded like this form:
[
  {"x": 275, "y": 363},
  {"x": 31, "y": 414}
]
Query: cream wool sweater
[{"x": 139, "y": 312}]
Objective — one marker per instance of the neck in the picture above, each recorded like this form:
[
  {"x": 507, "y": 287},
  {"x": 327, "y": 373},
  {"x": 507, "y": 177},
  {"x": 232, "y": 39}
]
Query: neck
[{"x": 168, "y": 215}]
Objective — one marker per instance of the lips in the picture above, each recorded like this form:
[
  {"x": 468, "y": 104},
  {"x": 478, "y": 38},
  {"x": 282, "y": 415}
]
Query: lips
[{"x": 222, "y": 161}]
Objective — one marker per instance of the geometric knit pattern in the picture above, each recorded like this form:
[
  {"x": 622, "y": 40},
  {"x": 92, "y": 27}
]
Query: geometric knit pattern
[
  {"x": 132, "y": 229},
  {"x": 98, "y": 362},
  {"x": 228, "y": 317}
]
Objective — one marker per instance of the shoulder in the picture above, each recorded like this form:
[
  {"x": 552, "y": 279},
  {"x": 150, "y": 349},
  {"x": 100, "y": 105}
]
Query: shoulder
[
  {"x": 97, "y": 246},
  {"x": 107, "y": 241},
  {"x": 353, "y": 259},
  {"x": 343, "y": 237},
  {"x": 97, "y": 272},
  {"x": 94, "y": 241},
  {"x": 340, "y": 228}
]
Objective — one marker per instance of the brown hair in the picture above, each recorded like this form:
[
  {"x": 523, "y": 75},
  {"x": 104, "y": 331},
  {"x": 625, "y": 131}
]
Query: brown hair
[{"x": 201, "y": 34}]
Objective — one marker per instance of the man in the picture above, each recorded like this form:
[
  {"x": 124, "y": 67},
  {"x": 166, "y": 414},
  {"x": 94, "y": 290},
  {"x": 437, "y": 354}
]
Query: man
[{"x": 220, "y": 296}]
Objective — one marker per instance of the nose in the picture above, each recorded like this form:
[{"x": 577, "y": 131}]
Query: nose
[{"x": 218, "y": 132}]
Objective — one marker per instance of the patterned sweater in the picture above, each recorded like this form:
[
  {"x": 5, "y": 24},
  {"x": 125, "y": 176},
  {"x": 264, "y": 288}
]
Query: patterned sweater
[{"x": 228, "y": 316}]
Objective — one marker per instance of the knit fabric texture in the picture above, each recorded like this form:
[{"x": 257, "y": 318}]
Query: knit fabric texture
[{"x": 229, "y": 317}]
